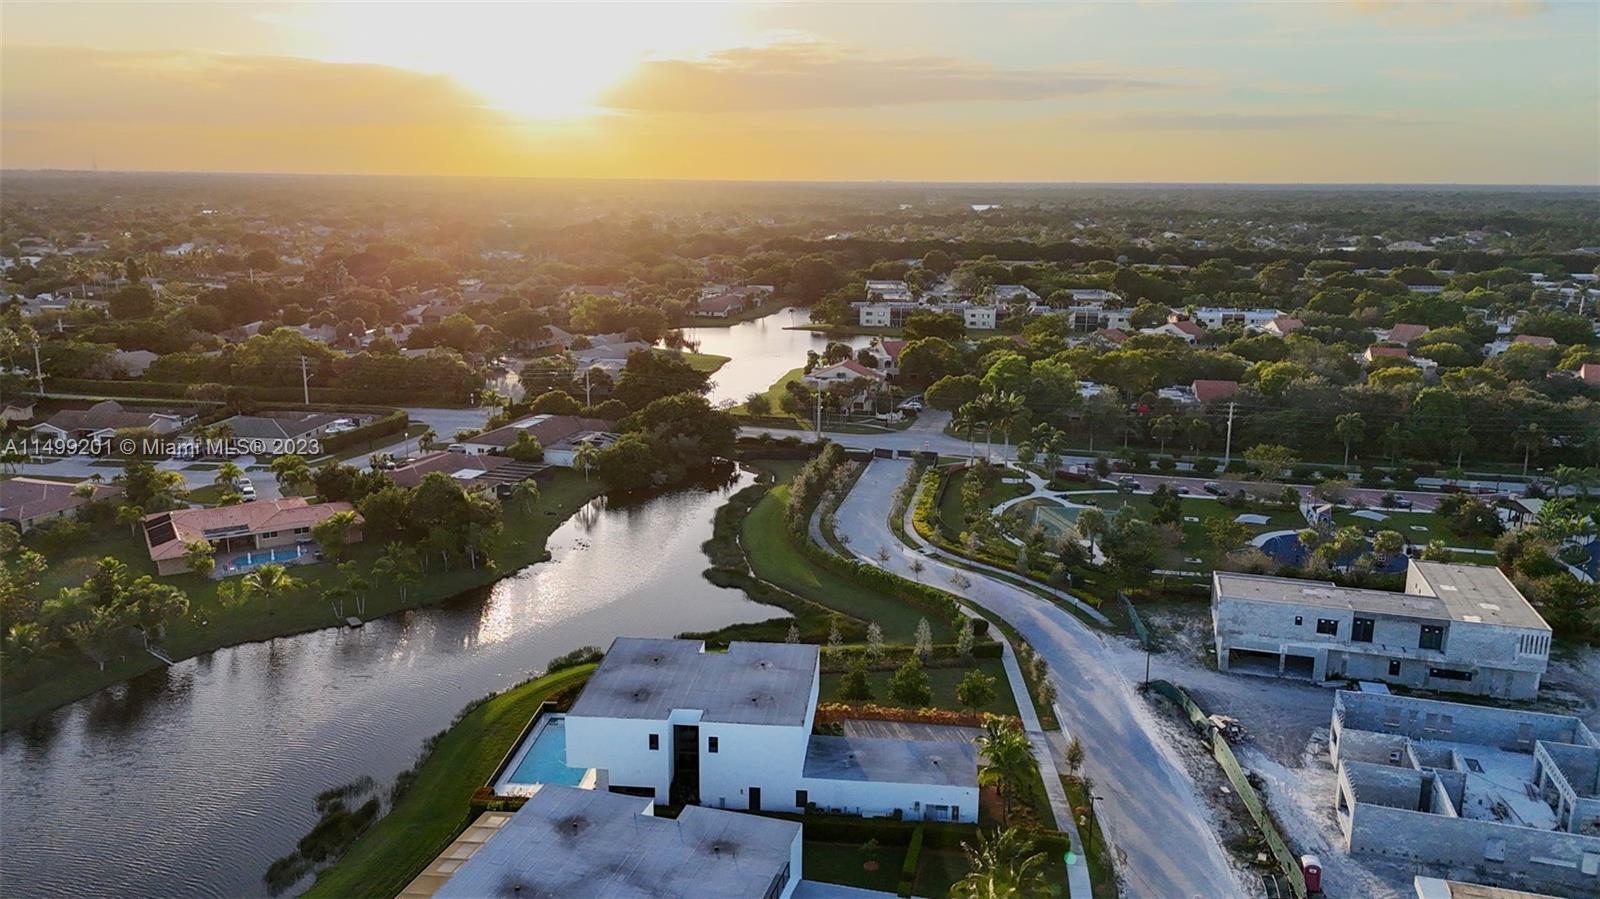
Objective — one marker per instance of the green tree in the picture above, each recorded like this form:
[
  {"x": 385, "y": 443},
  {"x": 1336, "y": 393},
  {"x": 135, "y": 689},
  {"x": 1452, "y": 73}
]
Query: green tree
[
  {"x": 1002, "y": 865},
  {"x": 333, "y": 533},
  {"x": 526, "y": 492},
  {"x": 1270, "y": 460},
  {"x": 1349, "y": 428},
  {"x": 269, "y": 582},
  {"x": 1008, "y": 763},
  {"x": 854, "y": 685},
  {"x": 910, "y": 685},
  {"x": 975, "y": 690},
  {"x": 199, "y": 557}
]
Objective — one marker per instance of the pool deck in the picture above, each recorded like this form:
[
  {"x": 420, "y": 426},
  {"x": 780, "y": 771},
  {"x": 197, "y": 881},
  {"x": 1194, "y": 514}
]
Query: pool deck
[{"x": 504, "y": 785}]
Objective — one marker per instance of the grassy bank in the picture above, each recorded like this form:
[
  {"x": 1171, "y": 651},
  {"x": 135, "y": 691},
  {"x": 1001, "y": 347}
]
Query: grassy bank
[
  {"x": 775, "y": 559},
  {"x": 63, "y": 675},
  {"x": 434, "y": 810},
  {"x": 1102, "y": 869},
  {"x": 706, "y": 362},
  {"x": 775, "y": 394}
]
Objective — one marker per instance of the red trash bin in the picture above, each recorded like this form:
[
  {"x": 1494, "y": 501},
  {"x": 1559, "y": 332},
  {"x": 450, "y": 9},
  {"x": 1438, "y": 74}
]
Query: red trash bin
[{"x": 1311, "y": 867}]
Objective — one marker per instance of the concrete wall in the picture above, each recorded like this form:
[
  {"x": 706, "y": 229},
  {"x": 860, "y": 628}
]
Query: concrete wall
[
  {"x": 878, "y": 799},
  {"x": 749, "y": 755},
  {"x": 1504, "y": 854},
  {"x": 622, "y": 747},
  {"x": 1489, "y": 651},
  {"x": 1427, "y": 719}
]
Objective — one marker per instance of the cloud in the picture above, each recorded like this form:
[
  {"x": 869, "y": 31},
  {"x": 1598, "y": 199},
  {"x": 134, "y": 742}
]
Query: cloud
[
  {"x": 40, "y": 85},
  {"x": 794, "y": 76},
  {"x": 1255, "y": 121}
]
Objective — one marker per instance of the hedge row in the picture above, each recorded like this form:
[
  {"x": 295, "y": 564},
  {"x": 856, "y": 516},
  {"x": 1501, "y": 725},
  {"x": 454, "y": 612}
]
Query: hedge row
[
  {"x": 177, "y": 391},
  {"x": 829, "y": 712},
  {"x": 908, "y": 870}
]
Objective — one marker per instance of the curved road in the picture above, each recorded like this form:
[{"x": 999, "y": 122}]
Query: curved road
[{"x": 1161, "y": 831}]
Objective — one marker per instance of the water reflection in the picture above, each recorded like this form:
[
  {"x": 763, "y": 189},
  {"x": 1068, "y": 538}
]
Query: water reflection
[
  {"x": 762, "y": 351},
  {"x": 191, "y": 780}
]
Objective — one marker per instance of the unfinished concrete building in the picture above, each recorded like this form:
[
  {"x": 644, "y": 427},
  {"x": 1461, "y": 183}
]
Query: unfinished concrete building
[
  {"x": 1512, "y": 796},
  {"x": 1458, "y": 628}
]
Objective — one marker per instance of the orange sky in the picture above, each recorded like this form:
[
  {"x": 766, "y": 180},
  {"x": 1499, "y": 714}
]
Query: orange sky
[{"x": 1489, "y": 93}]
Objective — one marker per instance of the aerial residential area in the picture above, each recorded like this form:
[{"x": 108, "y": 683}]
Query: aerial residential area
[{"x": 800, "y": 451}]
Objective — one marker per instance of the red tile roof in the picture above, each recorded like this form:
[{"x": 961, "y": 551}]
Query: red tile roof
[
  {"x": 1393, "y": 352},
  {"x": 1590, "y": 372},
  {"x": 1406, "y": 333},
  {"x": 1209, "y": 391},
  {"x": 1112, "y": 334},
  {"x": 189, "y": 525},
  {"x": 893, "y": 347},
  {"x": 1534, "y": 340}
]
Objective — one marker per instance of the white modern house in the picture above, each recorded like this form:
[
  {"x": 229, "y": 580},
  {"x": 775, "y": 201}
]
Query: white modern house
[
  {"x": 732, "y": 730},
  {"x": 567, "y": 841}
]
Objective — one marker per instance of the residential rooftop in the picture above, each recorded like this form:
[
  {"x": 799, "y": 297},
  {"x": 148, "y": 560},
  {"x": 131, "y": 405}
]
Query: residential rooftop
[
  {"x": 1477, "y": 594},
  {"x": 751, "y": 683},
  {"x": 886, "y": 760},
  {"x": 571, "y": 842}
]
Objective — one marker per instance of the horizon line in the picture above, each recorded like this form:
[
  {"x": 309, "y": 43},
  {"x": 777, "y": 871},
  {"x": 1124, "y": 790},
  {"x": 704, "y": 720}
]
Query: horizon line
[{"x": 1535, "y": 185}]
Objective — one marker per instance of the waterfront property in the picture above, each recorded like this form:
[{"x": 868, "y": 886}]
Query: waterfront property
[
  {"x": 1461, "y": 628},
  {"x": 29, "y": 502},
  {"x": 559, "y": 435},
  {"x": 541, "y": 758},
  {"x": 243, "y": 536},
  {"x": 667, "y": 719},
  {"x": 566, "y": 841},
  {"x": 1513, "y": 795},
  {"x": 473, "y": 471}
]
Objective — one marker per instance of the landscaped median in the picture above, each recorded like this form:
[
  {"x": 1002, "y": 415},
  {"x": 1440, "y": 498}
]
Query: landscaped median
[{"x": 436, "y": 805}]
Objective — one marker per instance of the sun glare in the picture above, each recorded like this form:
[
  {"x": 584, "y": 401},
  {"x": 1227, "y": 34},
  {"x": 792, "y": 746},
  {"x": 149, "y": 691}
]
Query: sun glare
[{"x": 539, "y": 61}]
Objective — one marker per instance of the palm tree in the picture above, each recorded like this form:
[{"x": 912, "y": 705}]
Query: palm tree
[
  {"x": 1002, "y": 865},
  {"x": 1349, "y": 427},
  {"x": 1197, "y": 431},
  {"x": 228, "y": 475},
  {"x": 292, "y": 471},
  {"x": 130, "y": 515},
  {"x": 585, "y": 457},
  {"x": 1090, "y": 525},
  {"x": 527, "y": 492},
  {"x": 426, "y": 438},
  {"x": 1163, "y": 429},
  {"x": 1008, "y": 758},
  {"x": 271, "y": 580},
  {"x": 1009, "y": 408},
  {"x": 199, "y": 556},
  {"x": 965, "y": 421},
  {"x": 1530, "y": 439}
]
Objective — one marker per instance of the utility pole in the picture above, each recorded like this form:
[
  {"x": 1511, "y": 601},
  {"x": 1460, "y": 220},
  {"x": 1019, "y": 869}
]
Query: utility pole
[
  {"x": 588, "y": 400},
  {"x": 38, "y": 368},
  {"x": 1227, "y": 451},
  {"x": 305, "y": 381},
  {"x": 819, "y": 414}
]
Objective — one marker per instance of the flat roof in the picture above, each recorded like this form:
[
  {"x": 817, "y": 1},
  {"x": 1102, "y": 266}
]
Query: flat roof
[
  {"x": 887, "y": 760},
  {"x": 571, "y": 842},
  {"x": 1477, "y": 594},
  {"x": 751, "y": 683}
]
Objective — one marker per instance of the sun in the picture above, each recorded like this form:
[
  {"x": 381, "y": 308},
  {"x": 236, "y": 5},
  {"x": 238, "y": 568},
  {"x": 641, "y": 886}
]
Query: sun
[{"x": 534, "y": 60}]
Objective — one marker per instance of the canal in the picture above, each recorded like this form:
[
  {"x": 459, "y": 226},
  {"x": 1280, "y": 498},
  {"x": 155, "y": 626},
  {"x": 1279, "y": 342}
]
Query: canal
[
  {"x": 191, "y": 780},
  {"x": 761, "y": 350}
]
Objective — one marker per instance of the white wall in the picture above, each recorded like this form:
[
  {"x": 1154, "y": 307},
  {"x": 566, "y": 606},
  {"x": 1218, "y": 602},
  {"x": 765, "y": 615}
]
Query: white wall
[{"x": 622, "y": 747}]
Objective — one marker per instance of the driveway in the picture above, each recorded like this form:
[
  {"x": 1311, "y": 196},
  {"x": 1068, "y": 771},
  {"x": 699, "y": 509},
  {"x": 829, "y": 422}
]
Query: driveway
[{"x": 1158, "y": 824}]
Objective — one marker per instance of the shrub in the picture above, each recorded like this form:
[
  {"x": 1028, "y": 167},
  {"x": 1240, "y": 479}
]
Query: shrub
[{"x": 583, "y": 655}]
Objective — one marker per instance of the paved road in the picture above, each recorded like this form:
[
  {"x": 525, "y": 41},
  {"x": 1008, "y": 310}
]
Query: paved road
[
  {"x": 926, "y": 433},
  {"x": 446, "y": 422},
  {"x": 79, "y": 467},
  {"x": 1151, "y": 811}
]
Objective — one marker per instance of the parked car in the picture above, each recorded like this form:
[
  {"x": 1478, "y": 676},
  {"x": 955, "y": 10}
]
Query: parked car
[
  {"x": 912, "y": 405},
  {"x": 246, "y": 489},
  {"x": 1213, "y": 488},
  {"x": 1183, "y": 490},
  {"x": 1129, "y": 481}
]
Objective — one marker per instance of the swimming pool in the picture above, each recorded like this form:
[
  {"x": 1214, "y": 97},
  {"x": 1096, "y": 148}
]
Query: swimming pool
[
  {"x": 279, "y": 554},
  {"x": 542, "y": 758}
]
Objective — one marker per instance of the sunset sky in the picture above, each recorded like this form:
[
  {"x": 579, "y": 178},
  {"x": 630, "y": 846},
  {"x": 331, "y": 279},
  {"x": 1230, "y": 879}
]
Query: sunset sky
[{"x": 1480, "y": 92}]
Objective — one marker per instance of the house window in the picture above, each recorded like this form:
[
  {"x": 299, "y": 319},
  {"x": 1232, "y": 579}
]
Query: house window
[
  {"x": 1394, "y": 667},
  {"x": 1432, "y": 637},
  {"x": 1361, "y": 630},
  {"x": 1448, "y": 674},
  {"x": 711, "y": 744},
  {"x": 265, "y": 535},
  {"x": 801, "y": 799},
  {"x": 1299, "y": 621},
  {"x": 302, "y": 530},
  {"x": 655, "y": 742},
  {"x": 1329, "y": 626}
]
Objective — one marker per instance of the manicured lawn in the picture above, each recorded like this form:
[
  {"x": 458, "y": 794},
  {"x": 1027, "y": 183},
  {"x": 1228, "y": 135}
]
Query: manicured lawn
[
  {"x": 706, "y": 362},
  {"x": 1406, "y": 523},
  {"x": 939, "y": 869},
  {"x": 775, "y": 394},
  {"x": 832, "y": 862},
  {"x": 1195, "y": 545},
  {"x": 952, "y": 510},
  {"x": 774, "y": 559},
  {"x": 943, "y": 681},
  {"x": 434, "y": 810},
  {"x": 63, "y": 675}
]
